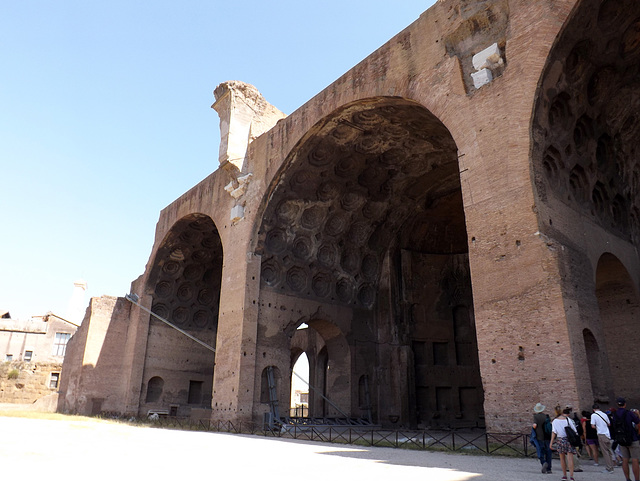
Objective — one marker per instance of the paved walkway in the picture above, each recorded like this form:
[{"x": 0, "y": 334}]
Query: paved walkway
[{"x": 82, "y": 450}]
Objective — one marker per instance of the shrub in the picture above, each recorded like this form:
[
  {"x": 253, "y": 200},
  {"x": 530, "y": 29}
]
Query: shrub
[{"x": 13, "y": 374}]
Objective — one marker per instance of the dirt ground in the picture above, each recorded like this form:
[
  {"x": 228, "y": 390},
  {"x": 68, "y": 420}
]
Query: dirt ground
[{"x": 86, "y": 449}]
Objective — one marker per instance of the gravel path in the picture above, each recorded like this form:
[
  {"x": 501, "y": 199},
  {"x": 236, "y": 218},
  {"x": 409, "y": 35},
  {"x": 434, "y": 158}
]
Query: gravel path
[{"x": 86, "y": 450}]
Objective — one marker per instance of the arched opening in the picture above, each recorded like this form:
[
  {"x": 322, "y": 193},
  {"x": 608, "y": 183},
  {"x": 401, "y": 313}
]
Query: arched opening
[
  {"x": 322, "y": 368},
  {"x": 620, "y": 316},
  {"x": 328, "y": 355},
  {"x": 585, "y": 127},
  {"x": 154, "y": 389},
  {"x": 585, "y": 139},
  {"x": 184, "y": 283},
  {"x": 594, "y": 363},
  {"x": 299, "y": 404},
  {"x": 366, "y": 220}
]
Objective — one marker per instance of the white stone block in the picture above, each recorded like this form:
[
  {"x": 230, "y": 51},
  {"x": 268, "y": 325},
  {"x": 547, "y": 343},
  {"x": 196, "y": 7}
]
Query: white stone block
[
  {"x": 488, "y": 58},
  {"x": 481, "y": 78},
  {"x": 237, "y": 213}
]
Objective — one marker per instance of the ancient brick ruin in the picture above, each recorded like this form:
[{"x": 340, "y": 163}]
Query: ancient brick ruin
[{"x": 455, "y": 219}]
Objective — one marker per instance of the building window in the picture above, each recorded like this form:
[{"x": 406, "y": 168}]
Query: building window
[
  {"x": 8, "y": 357},
  {"x": 440, "y": 353},
  {"x": 27, "y": 356},
  {"x": 195, "y": 392},
  {"x": 60, "y": 343},
  {"x": 54, "y": 379}
]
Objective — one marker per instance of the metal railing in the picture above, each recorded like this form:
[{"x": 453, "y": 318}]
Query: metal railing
[
  {"x": 300, "y": 411},
  {"x": 474, "y": 441}
]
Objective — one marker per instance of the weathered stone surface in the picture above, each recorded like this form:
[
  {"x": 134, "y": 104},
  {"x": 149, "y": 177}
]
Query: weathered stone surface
[
  {"x": 458, "y": 253},
  {"x": 244, "y": 115},
  {"x": 27, "y": 382}
]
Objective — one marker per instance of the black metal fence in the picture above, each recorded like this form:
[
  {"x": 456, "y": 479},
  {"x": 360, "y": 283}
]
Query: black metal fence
[{"x": 473, "y": 441}]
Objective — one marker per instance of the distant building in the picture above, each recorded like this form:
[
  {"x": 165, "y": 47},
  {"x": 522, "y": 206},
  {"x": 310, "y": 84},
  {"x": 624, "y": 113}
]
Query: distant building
[{"x": 32, "y": 351}]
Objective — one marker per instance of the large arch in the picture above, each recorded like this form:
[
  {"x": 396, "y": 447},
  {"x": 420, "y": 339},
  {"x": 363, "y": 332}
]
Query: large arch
[
  {"x": 184, "y": 282},
  {"x": 585, "y": 127},
  {"x": 586, "y": 173},
  {"x": 365, "y": 221}
]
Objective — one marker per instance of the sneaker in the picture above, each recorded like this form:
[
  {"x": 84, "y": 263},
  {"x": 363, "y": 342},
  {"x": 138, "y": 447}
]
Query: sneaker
[
  {"x": 549, "y": 471},
  {"x": 596, "y": 464},
  {"x": 544, "y": 468},
  {"x": 579, "y": 470},
  {"x": 564, "y": 478}
]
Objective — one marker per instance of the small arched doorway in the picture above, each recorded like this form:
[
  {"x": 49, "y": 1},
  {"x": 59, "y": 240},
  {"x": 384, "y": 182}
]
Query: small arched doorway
[
  {"x": 299, "y": 404},
  {"x": 595, "y": 365}
]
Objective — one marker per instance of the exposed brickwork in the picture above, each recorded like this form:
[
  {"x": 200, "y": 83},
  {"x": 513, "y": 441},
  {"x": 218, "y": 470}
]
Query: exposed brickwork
[{"x": 396, "y": 203}]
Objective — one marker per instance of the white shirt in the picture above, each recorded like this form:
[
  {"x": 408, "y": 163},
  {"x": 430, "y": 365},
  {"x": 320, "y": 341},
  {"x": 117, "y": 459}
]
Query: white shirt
[
  {"x": 559, "y": 424},
  {"x": 600, "y": 421}
]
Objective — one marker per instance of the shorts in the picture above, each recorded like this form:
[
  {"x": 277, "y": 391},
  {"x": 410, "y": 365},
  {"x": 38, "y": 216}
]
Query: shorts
[
  {"x": 592, "y": 441},
  {"x": 630, "y": 452},
  {"x": 564, "y": 447}
]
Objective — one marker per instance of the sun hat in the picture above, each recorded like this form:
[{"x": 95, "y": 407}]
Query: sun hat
[{"x": 539, "y": 408}]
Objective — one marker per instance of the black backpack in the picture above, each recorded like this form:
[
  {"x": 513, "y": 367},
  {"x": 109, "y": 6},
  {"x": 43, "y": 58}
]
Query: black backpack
[
  {"x": 620, "y": 432},
  {"x": 572, "y": 436},
  {"x": 548, "y": 428}
]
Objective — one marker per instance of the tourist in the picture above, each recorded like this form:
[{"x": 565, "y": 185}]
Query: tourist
[
  {"x": 632, "y": 452},
  {"x": 558, "y": 411},
  {"x": 600, "y": 422},
  {"x": 590, "y": 437},
  {"x": 563, "y": 446},
  {"x": 543, "y": 437},
  {"x": 577, "y": 467}
]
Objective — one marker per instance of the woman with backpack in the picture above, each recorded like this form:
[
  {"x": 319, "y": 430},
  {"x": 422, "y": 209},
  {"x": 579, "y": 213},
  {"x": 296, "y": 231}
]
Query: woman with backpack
[{"x": 563, "y": 446}]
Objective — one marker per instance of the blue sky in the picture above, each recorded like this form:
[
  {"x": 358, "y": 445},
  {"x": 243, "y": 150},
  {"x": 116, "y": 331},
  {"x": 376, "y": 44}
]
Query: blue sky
[{"x": 105, "y": 118}]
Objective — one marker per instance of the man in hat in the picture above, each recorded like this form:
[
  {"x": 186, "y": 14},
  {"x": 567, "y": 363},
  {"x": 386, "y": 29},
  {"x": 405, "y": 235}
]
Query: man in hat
[
  {"x": 633, "y": 451},
  {"x": 543, "y": 448}
]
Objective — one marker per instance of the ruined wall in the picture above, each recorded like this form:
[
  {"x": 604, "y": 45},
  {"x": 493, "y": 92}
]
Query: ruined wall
[
  {"x": 93, "y": 380},
  {"x": 586, "y": 178},
  {"x": 409, "y": 151},
  {"x": 490, "y": 127},
  {"x": 27, "y": 382}
]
